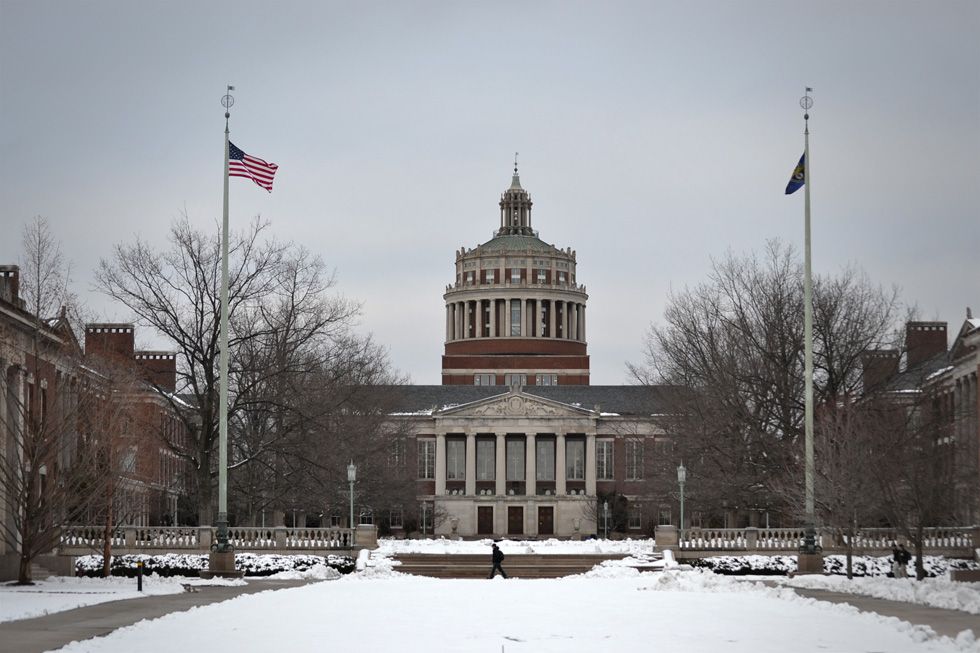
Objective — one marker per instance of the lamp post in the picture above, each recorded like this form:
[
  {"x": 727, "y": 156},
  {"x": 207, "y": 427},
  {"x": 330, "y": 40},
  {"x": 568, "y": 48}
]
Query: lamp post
[
  {"x": 605, "y": 519},
  {"x": 681, "y": 479},
  {"x": 351, "y": 477}
]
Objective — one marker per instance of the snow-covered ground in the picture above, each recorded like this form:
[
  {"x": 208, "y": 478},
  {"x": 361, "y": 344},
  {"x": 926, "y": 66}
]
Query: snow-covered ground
[
  {"x": 607, "y": 609},
  {"x": 60, "y": 593},
  {"x": 935, "y": 592}
]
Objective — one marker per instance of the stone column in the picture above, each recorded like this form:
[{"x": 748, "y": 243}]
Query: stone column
[
  {"x": 507, "y": 323},
  {"x": 440, "y": 464},
  {"x": 590, "y": 461},
  {"x": 528, "y": 319},
  {"x": 470, "y": 464},
  {"x": 449, "y": 322},
  {"x": 560, "y": 486},
  {"x": 466, "y": 319},
  {"x": 582, "y": 335},
  {"x": 552, "y": 318},
  {"x": 500, "y": 459},
  {"x": 493, "y": 318},
  {"x": 531, "y": 475},
  {"x": 539, "y": 319}
]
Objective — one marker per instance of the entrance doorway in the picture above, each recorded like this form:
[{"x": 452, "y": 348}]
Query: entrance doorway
[
  {"x": 546, "y": 520},
  {"x": 484, "y": 520},
  {"x": 515, "y": 520}
]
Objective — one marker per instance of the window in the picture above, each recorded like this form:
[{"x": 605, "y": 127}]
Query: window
[
  {"x": 575, "y": 460},
  {"x": 634, "y": 460},
  {"x": 396, "y": 455},
  {"x": 515, "y": 379},
  {"x": 515, "y": 317},
  {"x": 128, "y": 463},
  {"x": 547, "y": 379},
  {"x": 604, "y": 460},
  {"x": 469, "y": 278},
  {"x": 366, "y": 516},
  {"x": 515, "y": 275},
  {"x": 561, "y": 277},
  {"x": 455, "y": 459},
  {"x": 695, "y": 519},
  {"x": 396, "y": 518},
  {"x": 545, "y": 460},
  {"x": 541, "y": 276},
  {"x": 427, "y": 458},
  {"x": 664, "y": 517},
  {"x": 336, "y": 521},
  {"x": 484, "y": 379},
  {"x": 426, "y": 512},
  {"x": 490, "y": 274},
  {"x": 485, "y": 459},
  {"x": 634, "y": 518},
  {"x": 515, "y": 459}
]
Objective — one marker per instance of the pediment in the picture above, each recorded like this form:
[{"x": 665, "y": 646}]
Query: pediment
[{"x": 516, "y": 404}]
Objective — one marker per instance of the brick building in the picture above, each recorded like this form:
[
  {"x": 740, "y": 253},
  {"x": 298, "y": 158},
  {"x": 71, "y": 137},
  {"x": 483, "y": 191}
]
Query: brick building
[
  {"x": 46, "y": 374},
  {"x": 516, "y": 441}
]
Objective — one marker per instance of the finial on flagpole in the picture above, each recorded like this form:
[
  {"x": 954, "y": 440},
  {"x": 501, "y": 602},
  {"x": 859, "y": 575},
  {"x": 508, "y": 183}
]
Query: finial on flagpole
[
  {"x": 227, "y": 101},
  {"x": 806, "y": 102},
  {"x": 515, "y": 162}
]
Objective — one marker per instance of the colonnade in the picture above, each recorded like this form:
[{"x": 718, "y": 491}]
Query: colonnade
[{"x": 536, "y": 318}]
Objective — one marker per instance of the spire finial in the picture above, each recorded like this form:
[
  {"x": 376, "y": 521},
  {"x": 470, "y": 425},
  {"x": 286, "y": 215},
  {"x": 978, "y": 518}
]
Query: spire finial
[{"x": 515, "y": 162}]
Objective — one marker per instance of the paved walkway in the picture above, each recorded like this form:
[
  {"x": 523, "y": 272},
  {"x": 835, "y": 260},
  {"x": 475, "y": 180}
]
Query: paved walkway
[
  {"x": 944, "y": 622},
  {"x": 56, "y": 630}
]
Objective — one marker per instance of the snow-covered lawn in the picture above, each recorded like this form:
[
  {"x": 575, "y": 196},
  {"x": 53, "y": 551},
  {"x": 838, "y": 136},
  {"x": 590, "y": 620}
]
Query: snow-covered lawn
[
  {"x": 935, "y": 592},
  {"x": 606, "y": 610},
  {"x": 60, "y": 593}
]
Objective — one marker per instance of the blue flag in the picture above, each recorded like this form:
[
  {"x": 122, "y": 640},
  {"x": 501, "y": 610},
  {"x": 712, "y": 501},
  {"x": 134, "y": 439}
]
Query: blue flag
[{"x": 798, "y": 177}]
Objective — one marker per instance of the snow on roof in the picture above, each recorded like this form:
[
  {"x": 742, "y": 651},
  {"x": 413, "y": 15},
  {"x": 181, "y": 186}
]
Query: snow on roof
[{"x": 939, "y": 372}]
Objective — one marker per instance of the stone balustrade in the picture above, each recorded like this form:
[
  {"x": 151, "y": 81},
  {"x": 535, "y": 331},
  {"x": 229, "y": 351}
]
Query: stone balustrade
[
  {"x": 81, "y": 540},
  {"x": 950, "y": 541}
]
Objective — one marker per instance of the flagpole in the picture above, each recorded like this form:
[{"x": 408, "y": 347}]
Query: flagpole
[
  {"x": 222, "y": 523},
  {"x": 809, "y": 543}
]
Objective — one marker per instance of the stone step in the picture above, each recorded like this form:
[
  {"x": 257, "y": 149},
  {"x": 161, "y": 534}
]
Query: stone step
[
  {"x": 40, "y": 573},
  {"x": 516, "y": 565}
]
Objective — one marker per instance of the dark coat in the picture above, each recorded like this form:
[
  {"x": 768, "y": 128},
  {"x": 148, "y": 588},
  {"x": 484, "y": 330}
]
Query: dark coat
[{"x": 498, "y": 556}]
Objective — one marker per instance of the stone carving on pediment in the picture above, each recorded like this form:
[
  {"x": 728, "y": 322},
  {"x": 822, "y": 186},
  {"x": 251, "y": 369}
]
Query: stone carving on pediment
[{"x": 517, "y": 406}]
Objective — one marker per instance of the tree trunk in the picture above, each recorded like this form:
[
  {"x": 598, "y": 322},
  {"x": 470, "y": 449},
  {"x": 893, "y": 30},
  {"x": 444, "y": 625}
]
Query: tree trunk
[
  {"x": 107, "y": 541},
  {"x": 850, "y": 553},
  {"x": 24, "y": 571},
  {"x": 920, "y": 570}
]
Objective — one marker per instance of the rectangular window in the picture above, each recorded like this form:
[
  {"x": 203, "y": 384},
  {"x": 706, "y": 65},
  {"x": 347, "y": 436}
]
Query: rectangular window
[
  {"x": 396, "y": 455},
  {"x": 575, "y": 460},
  {"x": 547, "y": 379},
  {"x": 490, "y": 274},
  {"x": 366, "y": 516},
  {"x": 604, "y": 460},
  {"x": 426, "y": 513},
  {"x": 515, "y": 379},
  {"x": 664, "y": 518},
  {"x": 634, "y": 460},
  {"x": 545, "y": 459},
  {"x": 395, "y": 518},
  {"x": 515, "y": 459},
  {"x": 427, "y": 458},
  {"x": 455, "y": 459},
  {"x": 561, "y": 277},
  {"x": 515, "y": 317},
  {"x": 634, "y": 519},
  {"x": 541, "y": 276},
  {"x": 336, "y": 521},
  {"x": 469, "y": 278},
  {"x": 515, "y": 275},
  {"x": 486, "y": 462},
  {"x": 484, "y": 379}
]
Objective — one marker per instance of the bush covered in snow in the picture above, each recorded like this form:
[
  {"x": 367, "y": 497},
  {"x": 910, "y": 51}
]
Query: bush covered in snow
[
  {"x": 836, "y": 565},
  {"x": 189, "y": 564}
]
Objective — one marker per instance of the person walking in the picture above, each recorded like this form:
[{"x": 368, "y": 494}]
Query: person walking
[
  {"x": 896, "y": 556},
  {"x": 498, "y": 557}
]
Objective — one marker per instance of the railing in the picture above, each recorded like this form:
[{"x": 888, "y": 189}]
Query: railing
[
  {"x": 135, "y": 539},
  {"x": 784, "y": 540}
]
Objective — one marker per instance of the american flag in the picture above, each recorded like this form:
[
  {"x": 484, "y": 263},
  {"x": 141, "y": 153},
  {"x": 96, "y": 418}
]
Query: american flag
[{"x": 251, "y": 167}]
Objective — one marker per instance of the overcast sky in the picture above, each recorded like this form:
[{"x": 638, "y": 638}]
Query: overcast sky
[{"x": 652, "y": 137}]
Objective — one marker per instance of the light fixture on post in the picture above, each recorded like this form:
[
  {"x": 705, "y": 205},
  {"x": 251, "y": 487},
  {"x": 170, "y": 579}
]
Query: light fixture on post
[
  {"x": 351, "y": 477},
  {"x": 681, "y": 479}
]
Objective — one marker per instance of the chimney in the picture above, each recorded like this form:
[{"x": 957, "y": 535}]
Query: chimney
[
  {"x": 923, "y": 340},
  {"x": 10, "y": 285},
  {"x": 109, "y": 339},
  {"x": 877, "y": 366},
  {"x": 159, "y": 368}
]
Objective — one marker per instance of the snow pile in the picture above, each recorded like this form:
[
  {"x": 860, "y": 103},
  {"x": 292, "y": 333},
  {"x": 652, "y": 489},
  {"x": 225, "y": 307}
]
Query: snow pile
[
  {"x": 540, "y": 547},
  {"x": 934, "y": 592},
  {"x": 185, "y": 564},
  {"x": 316, "y": 572}
]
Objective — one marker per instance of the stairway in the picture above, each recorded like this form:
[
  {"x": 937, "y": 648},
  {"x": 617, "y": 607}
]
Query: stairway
[
  {"x": 440, "y": 565},
  {"x": 40, "y": 573}
]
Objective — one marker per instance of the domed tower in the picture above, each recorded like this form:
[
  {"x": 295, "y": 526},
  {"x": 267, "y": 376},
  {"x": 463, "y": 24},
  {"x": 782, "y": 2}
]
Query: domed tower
[{"x": 516, "y": 314}]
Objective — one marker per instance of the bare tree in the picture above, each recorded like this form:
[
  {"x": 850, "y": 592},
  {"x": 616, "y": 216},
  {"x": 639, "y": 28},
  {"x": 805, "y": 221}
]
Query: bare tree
[
  {"x": 45, "y": 466},
  {"x": 283, "y": 324},
  {"x": 735, "y": 344}
]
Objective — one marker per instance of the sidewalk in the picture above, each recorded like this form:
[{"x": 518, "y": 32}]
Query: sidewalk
[
  {"x": 56, "y": 630},
  {"x": 944, "y": 622}
]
